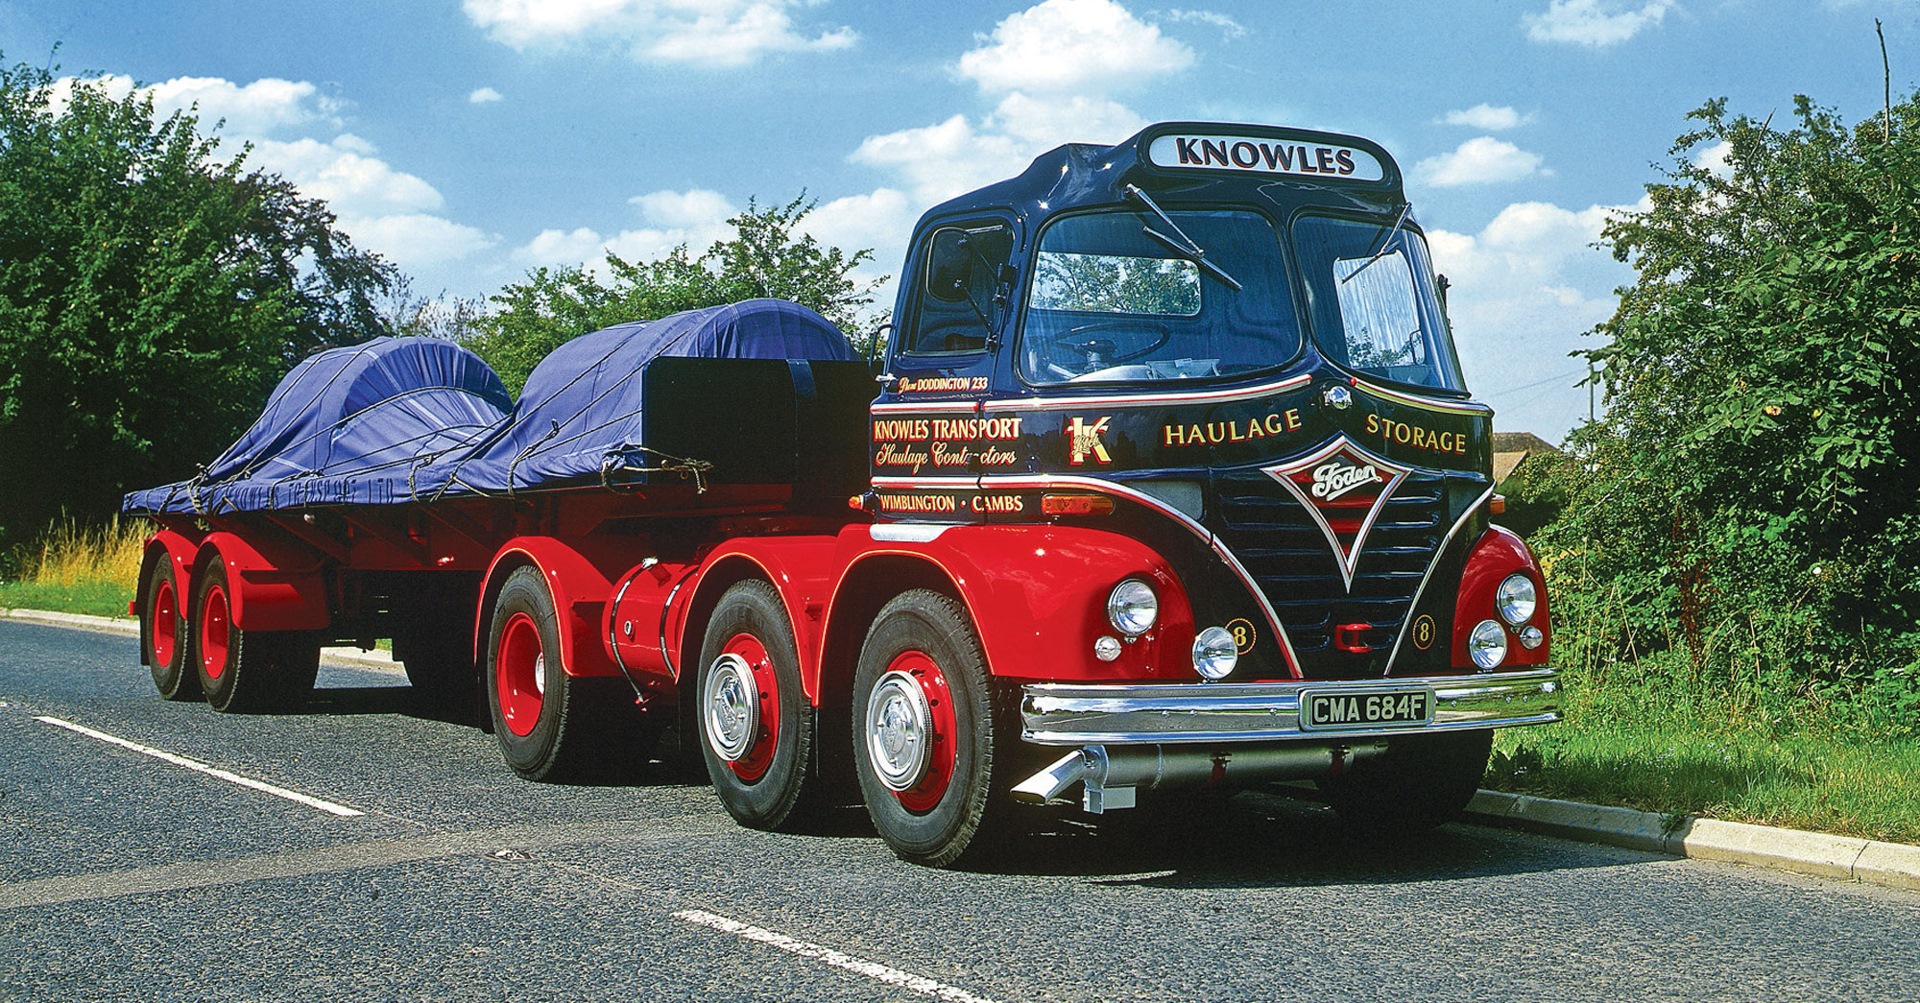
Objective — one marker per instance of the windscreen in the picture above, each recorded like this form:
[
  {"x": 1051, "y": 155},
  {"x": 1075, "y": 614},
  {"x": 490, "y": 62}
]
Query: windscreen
[
  {"x": 1133, "y": 296},
  {"x": 1374, "y": 307}
]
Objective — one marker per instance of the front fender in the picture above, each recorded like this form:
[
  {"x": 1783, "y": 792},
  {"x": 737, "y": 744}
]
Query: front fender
[{"x": 1037, "y": 595}]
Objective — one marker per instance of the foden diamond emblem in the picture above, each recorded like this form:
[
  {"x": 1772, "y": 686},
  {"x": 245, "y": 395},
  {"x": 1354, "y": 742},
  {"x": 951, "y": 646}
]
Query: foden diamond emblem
[{"x": 1344, "y": 487}]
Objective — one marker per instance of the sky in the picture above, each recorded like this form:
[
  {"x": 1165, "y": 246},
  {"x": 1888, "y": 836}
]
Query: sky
[{"x": 470, "y": 141}]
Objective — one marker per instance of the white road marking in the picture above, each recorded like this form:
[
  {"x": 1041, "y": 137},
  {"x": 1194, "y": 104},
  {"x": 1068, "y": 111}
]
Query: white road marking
[
  {"x": 870, "y": 969},
  {"x": 212, "y": 771}
]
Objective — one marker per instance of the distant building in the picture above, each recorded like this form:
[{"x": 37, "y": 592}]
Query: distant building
[{"x": 1510, "y": 449}]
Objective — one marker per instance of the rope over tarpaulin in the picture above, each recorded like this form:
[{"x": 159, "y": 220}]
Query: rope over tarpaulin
[{"x": 399, "y": 420}]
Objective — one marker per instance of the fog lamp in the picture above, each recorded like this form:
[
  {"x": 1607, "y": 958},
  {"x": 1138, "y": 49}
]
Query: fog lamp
[
  {"x": 1532, "y": 637},
  {"x": 1487, "y": 644},
  {"x": 1106, "y": 647},
  {"x": 1214, "y": 653}
]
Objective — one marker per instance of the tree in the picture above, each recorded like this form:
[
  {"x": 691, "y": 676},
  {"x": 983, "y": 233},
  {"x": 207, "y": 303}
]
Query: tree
[
  {"x": 150, "y": 295},
  {"x": 764, "y": 259},
  {"x": 1757, "y": 471}
]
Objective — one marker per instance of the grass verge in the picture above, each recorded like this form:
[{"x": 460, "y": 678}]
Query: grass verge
[
  {"x": 1721, "y": 765},
  {"x": 78, "y": 569}
]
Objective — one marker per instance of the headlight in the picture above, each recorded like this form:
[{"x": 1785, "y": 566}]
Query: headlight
[
  {"x": 1487, "y": 645},
  {"x": 1516, "y": 599},
  {"x": 1132, "y": 607},
  {"x": 1532, "y": 637},
  {"x": 1214, "y": 653}
]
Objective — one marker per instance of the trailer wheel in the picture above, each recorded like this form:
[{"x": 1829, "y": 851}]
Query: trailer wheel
[
  {"x": 1420, "y": 782},
  {"x": 163, "y": 627},
  {"x": 550, "y": 726},
  {"x": 923, "y": 728},
  {"x": 756, "y": 726},
  {"x": 245, "y": 671}
]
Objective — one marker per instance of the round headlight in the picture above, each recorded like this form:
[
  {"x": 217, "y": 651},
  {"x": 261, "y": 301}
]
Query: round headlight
[
  {"x": 1214, "y": 653},
  {"x": 1487, "y": 645},
  {"x": 1132, "y": 607},
  {"x": 1516, "y": 599}
]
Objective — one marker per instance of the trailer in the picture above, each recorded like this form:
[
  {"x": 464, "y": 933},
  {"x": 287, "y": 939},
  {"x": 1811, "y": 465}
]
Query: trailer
[{"x": 1168, "y": 478}]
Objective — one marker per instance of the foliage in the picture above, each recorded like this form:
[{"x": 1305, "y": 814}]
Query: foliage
[
  {"x": 150, "y": 295},
  {"x": 1743, "y": 519},
  {"x": 75, "y": 567},
  {"x": 765, "y": 258}
]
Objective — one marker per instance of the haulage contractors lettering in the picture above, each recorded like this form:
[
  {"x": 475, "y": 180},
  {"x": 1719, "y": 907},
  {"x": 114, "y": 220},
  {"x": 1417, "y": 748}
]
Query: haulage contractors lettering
[
  {"x": 1215, "y": 433},
  {"x": 1417, "y": 437},
  {"x": 944, "y": 442}
]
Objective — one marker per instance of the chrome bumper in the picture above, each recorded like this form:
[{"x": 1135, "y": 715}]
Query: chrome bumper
[{"x": 1185, "y": 713}]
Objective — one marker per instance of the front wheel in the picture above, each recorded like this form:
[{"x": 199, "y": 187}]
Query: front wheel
[
  {"x": 923, "y": 729},
  {"x": 1420, "y": 782},
  {"x": 756, "y": 726}
]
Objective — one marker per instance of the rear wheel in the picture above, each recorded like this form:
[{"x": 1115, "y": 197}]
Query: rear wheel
[
  {"x": 756, "y": 725},
  {"x": 1421, "y": 781},
  {"x": 242, "y": 671},
  {"x": 163, "y": 628},
  {"x": 552, "y": 726},
  {"x": 923, "y": 729}
]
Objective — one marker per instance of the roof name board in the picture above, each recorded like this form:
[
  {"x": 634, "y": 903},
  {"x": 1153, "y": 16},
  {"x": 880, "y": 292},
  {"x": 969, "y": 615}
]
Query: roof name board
[{"x": 1257, "y": 155}]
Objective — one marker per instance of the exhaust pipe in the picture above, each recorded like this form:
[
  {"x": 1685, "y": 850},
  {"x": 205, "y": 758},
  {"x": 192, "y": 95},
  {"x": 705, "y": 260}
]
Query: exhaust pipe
[{"x": 1111, "y": 778}]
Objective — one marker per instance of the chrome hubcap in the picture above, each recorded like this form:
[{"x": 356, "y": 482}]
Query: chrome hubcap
[
  {"x": 732, "y": 703},
  {"x": 899, "y": 731}
]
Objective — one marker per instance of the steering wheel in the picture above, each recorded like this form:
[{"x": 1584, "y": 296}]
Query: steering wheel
[{"x": 1103, "y": 344}]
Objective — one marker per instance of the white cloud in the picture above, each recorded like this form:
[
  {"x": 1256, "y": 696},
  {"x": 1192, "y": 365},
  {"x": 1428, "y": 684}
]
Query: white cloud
[
  {"x": 711, "y": 33},
  {"x": 260, "y": 108},
  {"x": 1486, "y": 117},
  {"x": 942, "y": 160},
  {"x": 1593, "y": 23},
  {"x": 1525, "y": 289},
  {"x": 485, "y": 95},
  {"x": 696, "y": 218},
  {"x": 343, "y": 172},
  {"x": 881, "y": 221},
  {"x": 1478, "y": 161},
  {"x": 1092, "y": 46},
  {"x": 1714, "y": 160},
  {"x": 416, "y": 240},
  {"x": 1212, "y": 18}
]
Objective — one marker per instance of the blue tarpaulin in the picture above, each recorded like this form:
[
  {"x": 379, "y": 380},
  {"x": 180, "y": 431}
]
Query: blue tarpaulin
[{"x": 403, "y": 419}]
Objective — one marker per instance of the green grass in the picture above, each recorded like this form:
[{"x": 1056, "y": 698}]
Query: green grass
[
  {"x": 1716, "y": 762},
  {"x": 97, "y": 598}
]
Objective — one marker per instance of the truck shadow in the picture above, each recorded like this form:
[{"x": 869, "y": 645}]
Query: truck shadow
[{"x": 1264, "y": 838}]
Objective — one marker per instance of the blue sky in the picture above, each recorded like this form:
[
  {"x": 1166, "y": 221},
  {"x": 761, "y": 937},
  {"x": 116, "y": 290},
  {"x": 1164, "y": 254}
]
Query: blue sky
[{"x": 470, "y": 142}]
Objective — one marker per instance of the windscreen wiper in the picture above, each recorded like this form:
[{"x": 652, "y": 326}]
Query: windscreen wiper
[
  {"x": 1385, "y": 240},
  {"x": 1181, "y": 244}
]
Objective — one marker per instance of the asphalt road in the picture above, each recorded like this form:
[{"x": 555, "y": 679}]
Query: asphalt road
[{"x": 124, "y": 875}]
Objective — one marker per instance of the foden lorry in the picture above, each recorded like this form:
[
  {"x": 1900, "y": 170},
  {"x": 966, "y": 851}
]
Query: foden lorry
[{"x": 1167, "y": 478}]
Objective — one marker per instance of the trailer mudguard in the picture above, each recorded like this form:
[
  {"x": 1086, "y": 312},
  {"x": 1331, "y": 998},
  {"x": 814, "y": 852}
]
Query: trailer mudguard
[
  {"x": 581, "y": 588},
  {"x": 801, "y": 568},
  {"x": 273, "y": 586},
  {"x": 1037, "y": 595}
]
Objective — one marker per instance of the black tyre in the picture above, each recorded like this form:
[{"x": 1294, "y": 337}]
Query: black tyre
[
  {"x": 755, "y": 723},
  {"x": 164, "y": 635},
  {"x": 552, "y": 726},
  {"x": 1421, "y": 781},
  {"x": 923, "y": 730},
  {"x": 246, "y": 671}
]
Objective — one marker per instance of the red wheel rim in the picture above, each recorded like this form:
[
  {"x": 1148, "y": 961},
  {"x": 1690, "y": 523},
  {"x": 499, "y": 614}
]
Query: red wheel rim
[
  {"x": 164, "y": 624},
  {"x": 912, "y": 677},
  {"x": 214, "y": 632},
  {"x": 752, "y": 765},
  {"x": 519, "y": 674}
]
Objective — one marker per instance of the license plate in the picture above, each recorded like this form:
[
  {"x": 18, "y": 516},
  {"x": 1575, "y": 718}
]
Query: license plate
[{"x": 1332, "y": 708}]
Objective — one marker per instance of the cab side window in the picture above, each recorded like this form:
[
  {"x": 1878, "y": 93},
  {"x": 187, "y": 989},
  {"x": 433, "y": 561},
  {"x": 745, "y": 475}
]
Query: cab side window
[{"x": 965, "y": 274}]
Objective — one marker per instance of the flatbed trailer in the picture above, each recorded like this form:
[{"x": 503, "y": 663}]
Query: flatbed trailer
[{"x": 1168, "y": 478}]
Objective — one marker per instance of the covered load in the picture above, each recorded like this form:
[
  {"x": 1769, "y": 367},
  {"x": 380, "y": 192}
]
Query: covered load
[{"x": 727, "y": 392}]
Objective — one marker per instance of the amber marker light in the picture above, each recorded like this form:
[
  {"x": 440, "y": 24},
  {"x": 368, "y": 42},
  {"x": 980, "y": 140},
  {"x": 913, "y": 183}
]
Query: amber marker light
[
  {"x": 1076, "y": 505},
  {"x": 1497, "y": 505}
]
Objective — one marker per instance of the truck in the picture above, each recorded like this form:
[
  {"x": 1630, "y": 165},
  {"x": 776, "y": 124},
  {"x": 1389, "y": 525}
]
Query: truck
[{"x": 1167, "y": 478}]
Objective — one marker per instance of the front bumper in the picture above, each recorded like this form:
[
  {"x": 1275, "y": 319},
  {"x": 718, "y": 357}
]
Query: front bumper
[{"x": 1217, "y": 713}]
